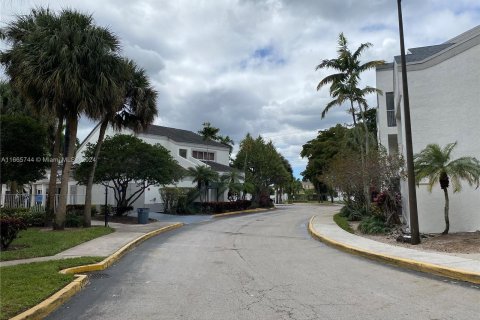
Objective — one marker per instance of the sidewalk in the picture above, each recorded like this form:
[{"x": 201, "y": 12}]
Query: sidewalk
[
  {"x": 461, "y": 268},
  {"x": 102, "y": 246}
]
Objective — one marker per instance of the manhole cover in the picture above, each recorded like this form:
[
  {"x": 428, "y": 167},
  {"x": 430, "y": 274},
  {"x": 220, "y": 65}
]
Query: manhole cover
[{"x": 99, "y": 276}]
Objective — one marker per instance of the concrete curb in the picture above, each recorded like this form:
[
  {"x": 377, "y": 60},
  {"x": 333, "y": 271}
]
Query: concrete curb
[
  {"x": 49, "y": 305},
  {"x": 438, "y": 270},
  {"x": 250, "y": 211}
]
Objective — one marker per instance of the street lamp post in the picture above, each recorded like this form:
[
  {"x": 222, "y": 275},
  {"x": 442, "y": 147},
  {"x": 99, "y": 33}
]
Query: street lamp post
[
  {"x": 106, "y": 206},
  {"x": 412, "y": 195}
]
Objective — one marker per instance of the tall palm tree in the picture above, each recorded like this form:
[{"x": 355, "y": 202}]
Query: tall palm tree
[
  {"x": 202, "y": 175},
  {"x": 136, "y": 109},
  {"x": 344, "y": 88},
  {"x": 434, "y": 164},
  {"x": 63, "y": 60}
]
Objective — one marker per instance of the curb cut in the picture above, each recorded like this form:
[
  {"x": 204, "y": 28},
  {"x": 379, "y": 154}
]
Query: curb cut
[
  {"x": 50, "y": 304},
  {"x": 425, "y": 267},
  {"x": 250, "y": 211}
]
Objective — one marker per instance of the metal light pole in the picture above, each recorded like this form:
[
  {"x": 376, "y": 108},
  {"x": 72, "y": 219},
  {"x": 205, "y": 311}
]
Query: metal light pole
[
  {"x": 412, "y": 194},
  {"x": 106, "y": 206}
]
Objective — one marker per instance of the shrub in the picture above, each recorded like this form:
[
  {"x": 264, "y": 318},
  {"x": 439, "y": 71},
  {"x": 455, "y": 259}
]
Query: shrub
[
  {"x": 74, "y": 219},
  {"x": 373, "y": 225},
  {"x": 352, "y": 214},
  {"x": 32, "y": 217},
  {"x": 342, "y": 223},
  {"x": 220, "y": 207},
  {"x": 120, "y": 211},
  {"x": 75, "y": 207},
  {"x": 10, "y": 227}
]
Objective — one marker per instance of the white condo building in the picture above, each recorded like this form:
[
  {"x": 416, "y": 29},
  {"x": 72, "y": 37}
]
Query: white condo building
[{"x": 444, "y": 92}]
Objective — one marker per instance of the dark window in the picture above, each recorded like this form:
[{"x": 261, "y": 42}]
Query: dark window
[
  {"x": 391, "y": 120},
  {"x": 201, "y": 155},
  {"x": 182, "y": 153}
]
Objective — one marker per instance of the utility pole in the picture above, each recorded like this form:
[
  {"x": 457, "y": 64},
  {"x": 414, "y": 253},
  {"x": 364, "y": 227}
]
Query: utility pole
[{"x": 412, "y": 194}]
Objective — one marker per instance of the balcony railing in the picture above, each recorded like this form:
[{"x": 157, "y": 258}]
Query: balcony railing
[{"x": 391, "y": 120}]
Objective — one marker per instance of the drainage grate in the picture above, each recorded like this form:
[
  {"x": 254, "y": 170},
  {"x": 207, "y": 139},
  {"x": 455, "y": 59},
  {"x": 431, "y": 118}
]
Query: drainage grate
[{"x": 99, "y": 276}]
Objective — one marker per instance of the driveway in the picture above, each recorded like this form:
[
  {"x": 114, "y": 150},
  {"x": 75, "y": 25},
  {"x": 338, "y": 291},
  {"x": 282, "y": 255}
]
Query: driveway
[{"x": 262, "y": 266}]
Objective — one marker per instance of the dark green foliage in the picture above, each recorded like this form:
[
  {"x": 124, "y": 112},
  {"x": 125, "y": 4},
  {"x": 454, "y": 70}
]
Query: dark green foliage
[
  {"x": 31, "y": 217},
  {"x": 9, "y": 228},
  {"x": 23, "y": 148},
  {"x": 220, "y": 207},
  {"x": 342, "y": 223},
  {"x": 373, "y": 225},
  {"x": 74, "y": 219},
  {"x": 352, "y": 214}
]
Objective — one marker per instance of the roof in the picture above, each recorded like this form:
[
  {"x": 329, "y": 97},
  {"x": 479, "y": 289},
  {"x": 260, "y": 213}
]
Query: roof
[
  {"x": 422, "y": 53},
  {"x": 180, "y": 135},
  {"x": 218, "y": 166}
]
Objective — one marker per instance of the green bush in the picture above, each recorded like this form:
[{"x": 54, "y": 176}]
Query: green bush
[
  {"x": 373, "y": 225},
  {"x": 352, "y": 214},
  {"x": 74, "y": 219},
  {"x": 10, "y": 226},
  {"x": 32, "y": 217}
]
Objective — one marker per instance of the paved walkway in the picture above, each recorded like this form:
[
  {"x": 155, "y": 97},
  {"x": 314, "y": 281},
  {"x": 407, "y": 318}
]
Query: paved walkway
[
  {"x": 102, "y": 246},
  {"x": 325, "y": 226}
]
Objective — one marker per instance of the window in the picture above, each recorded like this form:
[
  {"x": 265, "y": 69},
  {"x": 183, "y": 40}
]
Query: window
[
  {"x": 182, "y": 153},
  {"x": 202, "y": 155},
  {"x": 391, "y": 120}
]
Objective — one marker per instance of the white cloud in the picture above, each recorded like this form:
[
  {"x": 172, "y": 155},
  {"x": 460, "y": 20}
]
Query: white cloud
[{"x": 248, "y": 65}]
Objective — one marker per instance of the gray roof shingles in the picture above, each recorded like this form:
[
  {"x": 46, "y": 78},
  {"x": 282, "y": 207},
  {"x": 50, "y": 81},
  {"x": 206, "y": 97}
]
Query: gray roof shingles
[
  {"x": 180, "y": 135},
  {"x": 422, "y": 53}
]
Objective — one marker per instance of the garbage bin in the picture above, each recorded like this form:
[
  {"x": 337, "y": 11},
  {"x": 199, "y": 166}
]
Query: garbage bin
[{"x": 142, "y": 214}]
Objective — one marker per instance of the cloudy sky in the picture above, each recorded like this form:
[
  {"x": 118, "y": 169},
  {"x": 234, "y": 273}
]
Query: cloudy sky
[{"x": 248, "y": 65}]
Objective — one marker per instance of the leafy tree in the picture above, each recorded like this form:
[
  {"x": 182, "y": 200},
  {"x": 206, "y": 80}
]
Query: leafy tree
[
  {"x": 203, "y": 176},
  {"x": 23, "y": 147},
  {"x": 125, "y": 159},
  {"x": 62, "y": 62},
  {"x": 211, "y": 133},
  {"x": 263, "y": 167},
  {"x": 134, "y": 108},
  {"x": 433, "y": 163}
]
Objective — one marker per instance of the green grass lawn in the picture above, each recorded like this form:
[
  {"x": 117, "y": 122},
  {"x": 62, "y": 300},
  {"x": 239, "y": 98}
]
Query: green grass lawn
[
  {"x": 342, "y": 223},
  {"x": 36, "y": 242},
  {"x": 25, "y": 285}
]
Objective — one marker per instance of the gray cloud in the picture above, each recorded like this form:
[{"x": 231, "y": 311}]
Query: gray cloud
[{"x": 248, "y": 65}]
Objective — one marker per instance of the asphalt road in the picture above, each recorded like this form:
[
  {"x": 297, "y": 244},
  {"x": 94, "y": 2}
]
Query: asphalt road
[{"x": 262, "y": 266}]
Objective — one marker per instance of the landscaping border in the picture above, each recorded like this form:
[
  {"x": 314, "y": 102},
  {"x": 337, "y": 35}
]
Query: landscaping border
[
  {"x": 249, "y": 211},
  {"x": 50, "y": 304},
  {"x": 425, "y": 267}
]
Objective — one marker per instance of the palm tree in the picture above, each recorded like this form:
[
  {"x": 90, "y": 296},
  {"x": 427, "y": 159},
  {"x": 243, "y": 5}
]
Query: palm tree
[
  {"x": 136, "y": 109},
  {"x": 202, "y": 175},
  {"x": 63, "y": 61},
  {"x": 344, "y": 88},
  {"x": 434, "y": 163}
]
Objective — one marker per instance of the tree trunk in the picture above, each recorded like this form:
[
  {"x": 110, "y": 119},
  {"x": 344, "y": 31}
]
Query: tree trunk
[
  {"x": 62, "y": 205},
  {"x": 366, "y": 186},
  {"x": 352, "y": 109},
  {"x": 447, "y": 203},
  {"x": 87, "y": 213},
  {"x": 52, "y": 183}
]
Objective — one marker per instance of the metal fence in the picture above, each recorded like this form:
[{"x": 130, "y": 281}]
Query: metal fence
[{"x": 26, "y": 200}]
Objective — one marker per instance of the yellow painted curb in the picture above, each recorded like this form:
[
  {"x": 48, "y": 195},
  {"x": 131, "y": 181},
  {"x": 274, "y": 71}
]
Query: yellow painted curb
[
  {"x": 241, "y": 212},
  {"x": 49, "y": 305},
  {"x": 438, "y": 270}
]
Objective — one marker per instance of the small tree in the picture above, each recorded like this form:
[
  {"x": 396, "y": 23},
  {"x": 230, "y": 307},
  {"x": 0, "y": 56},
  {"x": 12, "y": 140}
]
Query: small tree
[
  {"x": 125, "y": 159},
  {"x": 434, "y": 164},
  {"x": 203, "y": 176}
]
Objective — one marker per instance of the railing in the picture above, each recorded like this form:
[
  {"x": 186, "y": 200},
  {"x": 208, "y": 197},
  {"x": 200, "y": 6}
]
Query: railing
[
  {"x": 26, "y": 200},
  {"x": 391, "y": 120}
]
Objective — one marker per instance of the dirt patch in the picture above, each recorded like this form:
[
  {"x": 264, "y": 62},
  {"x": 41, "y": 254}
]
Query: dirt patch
[{"x": 460, "y": 242}]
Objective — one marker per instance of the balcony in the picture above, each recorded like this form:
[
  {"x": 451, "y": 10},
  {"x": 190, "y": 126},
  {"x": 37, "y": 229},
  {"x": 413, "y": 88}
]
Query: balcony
[{"x": 391, "y": 120}]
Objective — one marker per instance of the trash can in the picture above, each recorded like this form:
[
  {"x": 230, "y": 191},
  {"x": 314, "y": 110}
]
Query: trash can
[{"x": 142, "y": 214}]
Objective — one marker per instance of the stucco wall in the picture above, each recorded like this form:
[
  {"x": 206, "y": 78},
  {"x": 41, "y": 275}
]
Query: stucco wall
[{"x": 444, "y": 102}]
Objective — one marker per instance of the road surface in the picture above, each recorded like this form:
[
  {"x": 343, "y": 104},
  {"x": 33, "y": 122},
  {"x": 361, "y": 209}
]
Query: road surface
[{"x": 262, "y": 266}]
